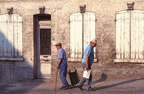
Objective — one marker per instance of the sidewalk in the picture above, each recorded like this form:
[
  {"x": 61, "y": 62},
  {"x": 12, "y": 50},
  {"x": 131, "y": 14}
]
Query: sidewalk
[{"x": 103, "y": 85}]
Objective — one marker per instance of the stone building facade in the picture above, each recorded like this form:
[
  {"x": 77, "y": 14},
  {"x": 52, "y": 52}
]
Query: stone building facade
[{"x": 42, "y": 23}]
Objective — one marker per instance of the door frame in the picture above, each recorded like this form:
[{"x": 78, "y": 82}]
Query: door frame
[{"x": 36, "y": 19}]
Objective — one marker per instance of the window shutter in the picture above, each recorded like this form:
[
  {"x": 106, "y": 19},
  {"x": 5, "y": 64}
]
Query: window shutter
[
  {"x": 137, "y": 34},
  {"x": 3, "y": 22},
  {"x": 129, "y": 34},
  {"x": 123, "y": 35},
  {"x": 11, "y": 35},
  {"x": 76, "y": 35},
  {"x": 89, "y": 28},
  {"x": 17, "y": 37}
]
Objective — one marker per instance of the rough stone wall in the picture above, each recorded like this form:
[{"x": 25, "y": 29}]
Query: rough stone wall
[
  {"x": 105, "y": 34},
  {"x": 60, "y": 11}
]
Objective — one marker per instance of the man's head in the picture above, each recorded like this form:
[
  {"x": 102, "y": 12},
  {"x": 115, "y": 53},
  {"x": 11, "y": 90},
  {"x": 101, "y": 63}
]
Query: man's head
[
  {"x": 93, "y": 42},
  {"x": 58, "y": 45}
]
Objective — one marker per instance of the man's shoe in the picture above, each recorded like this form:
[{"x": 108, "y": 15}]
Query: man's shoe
[
  {"x": 67, "y": 87},
  {"x": 79, "y": 86},
  {"x": 90, "y": 89}
]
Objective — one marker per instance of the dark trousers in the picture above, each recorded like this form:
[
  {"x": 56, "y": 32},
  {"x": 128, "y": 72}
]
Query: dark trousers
[{"x": 83, "y": 80}]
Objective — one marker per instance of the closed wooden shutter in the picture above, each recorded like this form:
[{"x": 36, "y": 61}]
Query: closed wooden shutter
[
  {"x": 10, "y": 35},
  {"x": 123, "y": 35},
  {"x": 137, "y": 34},
  {"x": 76, "y": 32},
  {"x": 89, "y": 28},
  {"x": 129, "y": 35},
  {"x": 76, "y": 35}
]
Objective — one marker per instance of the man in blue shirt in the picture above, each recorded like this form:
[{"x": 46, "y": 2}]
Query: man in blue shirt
[
  {"x": 87, "y": 62},
  {"x": 62, "y": 65}
]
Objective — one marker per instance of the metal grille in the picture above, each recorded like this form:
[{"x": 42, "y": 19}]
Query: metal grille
[{"x": 45, "y": 41}]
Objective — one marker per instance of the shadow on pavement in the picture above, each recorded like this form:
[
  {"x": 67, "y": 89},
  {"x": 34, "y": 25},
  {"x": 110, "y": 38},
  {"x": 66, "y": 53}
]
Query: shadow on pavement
[
  {"x": 21, "y": 87},
  {"x": 103, "y": 78},
  {"x": 116, "y": 84}
]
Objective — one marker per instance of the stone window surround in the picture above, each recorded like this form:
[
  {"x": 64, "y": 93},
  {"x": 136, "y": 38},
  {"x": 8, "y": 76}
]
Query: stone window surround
[{"x": 128, "y": 61}]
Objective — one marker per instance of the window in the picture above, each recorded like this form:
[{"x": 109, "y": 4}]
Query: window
[
  {"x": 130, "y": 36},
  {"x": 45, "y": 41},
  {"x": 45, "y": 35},
  {"x": 82, "y": 30},
  {"x": 10, "y": 35}
]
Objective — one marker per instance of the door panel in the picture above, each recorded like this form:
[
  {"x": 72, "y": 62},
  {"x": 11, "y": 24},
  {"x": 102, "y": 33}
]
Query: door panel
[{"x": 45, "y": 52}]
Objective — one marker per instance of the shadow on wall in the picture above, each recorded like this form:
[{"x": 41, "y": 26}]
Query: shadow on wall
[{"x": 16, "y": 69}]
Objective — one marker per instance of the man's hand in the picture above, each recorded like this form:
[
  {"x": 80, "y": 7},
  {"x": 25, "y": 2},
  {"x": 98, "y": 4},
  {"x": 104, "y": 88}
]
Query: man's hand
[
  {"x": 57, "y": 67},
  {"x": 87, "y": 63},
  {"x": 59, "y": 62},
  {"x": 87, "y": 68}
]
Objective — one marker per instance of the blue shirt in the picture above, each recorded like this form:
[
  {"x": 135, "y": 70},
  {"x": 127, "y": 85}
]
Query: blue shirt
[
  {"x": 61, "y": 55},
  {"x": 89, "y": 51}
]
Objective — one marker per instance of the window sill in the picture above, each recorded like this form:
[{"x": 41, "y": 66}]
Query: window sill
[
  {"x": 11, "y": 58},
  {"x": 78, "y": 60},
  {"x": 129, "y": 60}
]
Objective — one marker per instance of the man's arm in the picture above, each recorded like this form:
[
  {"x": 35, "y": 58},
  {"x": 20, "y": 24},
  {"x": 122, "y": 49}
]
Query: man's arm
[
  {"x": 88, "y": 51},
  {"x": 87, "y": 63},
  {"x": 59, "y": 62},
  {"x": 60, "y": 57}
]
